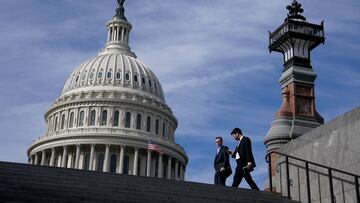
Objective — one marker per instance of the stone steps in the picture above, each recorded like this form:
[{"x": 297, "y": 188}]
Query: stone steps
[{"x": 28, "y": 183}]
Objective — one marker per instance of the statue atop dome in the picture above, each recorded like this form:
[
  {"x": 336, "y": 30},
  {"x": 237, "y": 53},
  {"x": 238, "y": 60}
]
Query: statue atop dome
[{"x": 120, "y": 10}]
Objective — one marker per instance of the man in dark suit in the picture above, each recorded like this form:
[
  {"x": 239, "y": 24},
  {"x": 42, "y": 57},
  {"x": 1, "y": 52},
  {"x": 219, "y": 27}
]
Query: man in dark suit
[
  {"x": 221, "y": 163},
  {"x": 244, "y": 159}
]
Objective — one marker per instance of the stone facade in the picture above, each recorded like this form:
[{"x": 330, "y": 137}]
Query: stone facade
[{"x": 335, "y": 144}]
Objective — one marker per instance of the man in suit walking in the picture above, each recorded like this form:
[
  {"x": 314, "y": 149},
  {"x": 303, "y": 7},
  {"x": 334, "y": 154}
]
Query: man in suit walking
[
  {"x": 244, "y": 159},
  {"x": 221, "y": 162}
]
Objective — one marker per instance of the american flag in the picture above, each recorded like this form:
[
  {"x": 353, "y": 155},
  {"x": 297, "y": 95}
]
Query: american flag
[{"x": 154, "y": 147}]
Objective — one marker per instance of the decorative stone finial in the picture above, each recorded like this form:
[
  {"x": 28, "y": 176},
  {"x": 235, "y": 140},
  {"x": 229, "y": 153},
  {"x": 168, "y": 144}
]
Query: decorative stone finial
[
  {"x": 295, "y": 10},
  {"x": 120, "y": 10}
]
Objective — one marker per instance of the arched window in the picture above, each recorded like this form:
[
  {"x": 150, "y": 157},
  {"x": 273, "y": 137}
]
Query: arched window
[
  {"x": 127, "y": 77},
  {"x": 108, "y": 75},
  {"x": 148, "y": 124},
  {"x": 136, "y": 78},
  {"x": 92, "y": 75},
  {"x": 92, "y": 117},
  {"x": 113, "y": 160},
  {"x": 118, "y": 75},
  {"x": 104, "y": 118},
  {"x": 71, "y": 120},
  {"x": 127, "y": 120},
  {"x": 126, "y": 165},
  {"x": 116, "y": 118},
  {"x": 138, "y": 122},
  {"x": 149, "y": 83},
  {"x": 56, "y": 123},
  {"x": 62, "y": 126},
  {"x": 100, "y": 162},
  {"x": 87, "y": 161},
  {"x": 81, "y": 118},
  {"x": 100, "y": 75},
  {"x": 163, "y": 130},
  {"x": 157, "y": 126},
  {"x": 143, "y": 81}
]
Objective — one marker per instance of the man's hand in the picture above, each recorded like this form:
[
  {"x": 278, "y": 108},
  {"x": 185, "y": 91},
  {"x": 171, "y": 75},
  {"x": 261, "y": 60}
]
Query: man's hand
[
  {"x": 222, "y": 169},
  {"x": 229, "y": 152}
]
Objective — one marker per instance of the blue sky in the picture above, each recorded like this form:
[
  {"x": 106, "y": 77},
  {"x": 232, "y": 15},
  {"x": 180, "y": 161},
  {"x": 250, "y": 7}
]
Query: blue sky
[{"x": 210, "y": 56}]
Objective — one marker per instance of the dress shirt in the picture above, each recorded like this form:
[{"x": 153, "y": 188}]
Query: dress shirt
[{"x": 237, "y": 152}]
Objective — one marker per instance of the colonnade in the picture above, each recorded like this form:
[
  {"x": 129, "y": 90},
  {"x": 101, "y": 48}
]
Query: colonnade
[{"x": 111, "y": 158}]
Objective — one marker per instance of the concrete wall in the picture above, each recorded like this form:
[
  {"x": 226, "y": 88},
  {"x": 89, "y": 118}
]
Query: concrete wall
[{"x": 335, "y": 144}]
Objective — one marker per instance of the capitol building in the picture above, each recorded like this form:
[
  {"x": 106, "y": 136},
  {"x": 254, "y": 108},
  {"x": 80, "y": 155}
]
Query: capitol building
[{"x": 110, "y": 108}]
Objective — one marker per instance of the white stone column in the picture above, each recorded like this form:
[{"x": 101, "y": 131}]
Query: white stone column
[
  {"x": 181, "y": 171},
  {"x": 148, "y": 165},
  {"x": 69, "y": 162},
  {"x": 92, "y": 154},
  {"x": 43, "y": 158},
  {"x": 58, "y": 164},
  {"x": 160, "y": 167},
  {"x": 77, "y": 156},
  {"x": 109, "y": 32},
  {"x": 31, "y": 161},
  {"x": 36, "y": 161},
  {"x": 52, "y": 158},
  {"x": 121, "y": 159},
  {"x": 176, "y": 176},
  {"x": 169, "y": 168},
  {"x": 64, "y": 157},
  {"x": 136, "y": 158},
  {"x": 107, "y": 158}
]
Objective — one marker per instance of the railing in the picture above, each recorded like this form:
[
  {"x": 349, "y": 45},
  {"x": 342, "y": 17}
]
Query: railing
[
  {"x": 297, "y": 27},
  {"x": 307, "y": 163}
]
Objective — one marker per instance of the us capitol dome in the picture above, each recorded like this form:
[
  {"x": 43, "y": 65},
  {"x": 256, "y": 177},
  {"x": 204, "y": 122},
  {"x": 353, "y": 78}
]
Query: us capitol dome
[{"x": 111, "y": 107}]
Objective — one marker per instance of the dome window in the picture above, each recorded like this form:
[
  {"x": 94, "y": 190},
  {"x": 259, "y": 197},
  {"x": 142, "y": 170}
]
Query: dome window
[
  {"x": 56, "y": 123},
  {"x": 92, "y": 75},
  {"x": 77, "y": 79},
  {"x": 149, "y": 83},
  {"x": 118, "y": 75},
  {"x": 138, "y": 122},
  {"x": 83, "y": 76},
  {"x": 148, "y": 124},
  {"x": 100, "y": 75},
  {"x": 62, "y": 126},
  {"x": 104, "y": 117},
  {"x": 108, "y": 75},
  {"x": 92, "y": 117},
  {"x": 81, "y": 118},
  {"x": 116, "y": 118},
  {"x": 163, "y": 130},
  {"x": 71, "y": 122},
  {"x": 136, "y": 78},
  {"x": 157, "y": 126},
  {"x": 127, "y": 120},
  {"x": 143, "y": 81},
  {"x": 127, "y": 77},
  {"x": 155, "y": 85}
]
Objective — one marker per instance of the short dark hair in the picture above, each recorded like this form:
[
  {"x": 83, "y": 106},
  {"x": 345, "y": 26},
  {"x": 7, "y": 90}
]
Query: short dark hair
[
  {"x": 236, "y": 130},
  {"x": 219, "y": 138}
]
